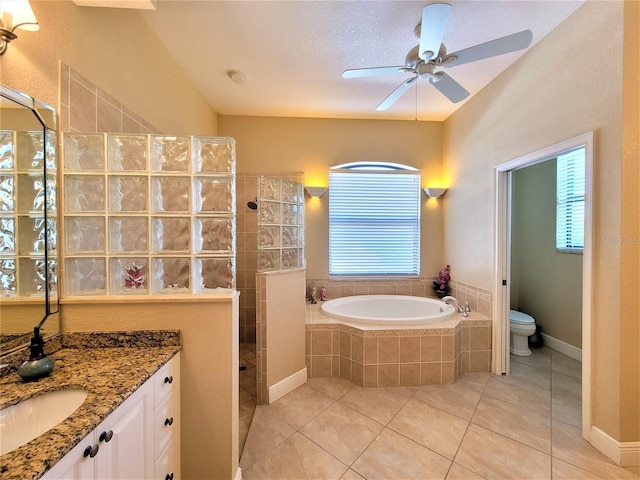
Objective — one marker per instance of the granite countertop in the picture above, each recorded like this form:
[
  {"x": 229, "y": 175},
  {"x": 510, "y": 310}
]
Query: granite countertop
[{"x": 109, "y": 366}]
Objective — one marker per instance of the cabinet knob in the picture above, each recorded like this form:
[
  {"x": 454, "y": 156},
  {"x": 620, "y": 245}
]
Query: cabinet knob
[
  {"x": 91, "y": 451},
  {"x": 106, "y": 436},
  {"x": 168, "y": 379},
  {"x": 169, "y": 476},
  {"x": 168, "y": 421}
]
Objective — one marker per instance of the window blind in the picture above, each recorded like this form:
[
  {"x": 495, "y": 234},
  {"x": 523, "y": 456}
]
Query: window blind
[
  {"x": 374, "y": 223},
  {"x": 570, "y": 201}
]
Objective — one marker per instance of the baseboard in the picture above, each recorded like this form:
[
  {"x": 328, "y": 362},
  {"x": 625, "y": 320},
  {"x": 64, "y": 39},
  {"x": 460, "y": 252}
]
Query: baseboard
[
  {"x": 238, "y": 474},
  {"x": 626, "y": 454},
  {"x": 562, "y": 347},
  {"x": 287, "y": 385}
]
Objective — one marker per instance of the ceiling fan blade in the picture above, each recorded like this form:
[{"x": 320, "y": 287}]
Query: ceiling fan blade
[
  {"x": 434, "y": 21},
  {"x": 372, "y": 72},
  {"x": 396, "y": 94},
  {"x": 450, "y": 88},
  {"x": 493, "y": 48}
]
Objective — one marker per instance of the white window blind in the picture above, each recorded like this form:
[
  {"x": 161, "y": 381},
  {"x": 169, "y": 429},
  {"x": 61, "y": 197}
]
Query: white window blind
[
  {"x": 570, "y": 201},
  {"x": 374, "y": 223}
]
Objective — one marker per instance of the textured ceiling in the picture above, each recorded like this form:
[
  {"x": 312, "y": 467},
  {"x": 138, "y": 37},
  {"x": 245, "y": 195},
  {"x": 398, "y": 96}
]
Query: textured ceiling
[{"x": 294, "y": 52}]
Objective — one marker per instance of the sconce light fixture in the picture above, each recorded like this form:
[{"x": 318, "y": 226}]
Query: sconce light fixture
[
  {"x": 431, "y": 192},
  {"x": 15, "y": 14},
  {"x": 315, "y": 192}
]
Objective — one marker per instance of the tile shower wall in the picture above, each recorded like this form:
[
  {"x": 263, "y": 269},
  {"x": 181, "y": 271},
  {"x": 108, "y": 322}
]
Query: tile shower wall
[
  {"x": 247, "y": 247},
  {"x": 147, "y": 214}
]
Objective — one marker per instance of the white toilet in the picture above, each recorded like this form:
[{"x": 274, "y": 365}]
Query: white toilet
[{"x": 521, "y": 326}]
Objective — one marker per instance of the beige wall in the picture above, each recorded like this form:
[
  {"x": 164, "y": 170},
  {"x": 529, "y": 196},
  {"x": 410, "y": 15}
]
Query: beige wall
[
  {"x": 549, "y": 95},
  {"x": 209, "y": 370},
  {"x": 545, "y": 283},
  {"x": 282, "y": 145},
  {"x": 117, "y": 50}
]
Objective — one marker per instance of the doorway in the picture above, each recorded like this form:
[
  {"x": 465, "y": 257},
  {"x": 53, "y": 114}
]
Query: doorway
[{"x": 503, "y": 252}]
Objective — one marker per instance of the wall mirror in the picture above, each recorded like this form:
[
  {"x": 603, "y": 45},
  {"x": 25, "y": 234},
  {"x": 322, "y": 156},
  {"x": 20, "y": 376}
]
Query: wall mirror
[{"x": 28, "y": 219}]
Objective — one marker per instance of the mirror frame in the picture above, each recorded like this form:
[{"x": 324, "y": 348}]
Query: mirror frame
[{"x": 47, "y": 117}]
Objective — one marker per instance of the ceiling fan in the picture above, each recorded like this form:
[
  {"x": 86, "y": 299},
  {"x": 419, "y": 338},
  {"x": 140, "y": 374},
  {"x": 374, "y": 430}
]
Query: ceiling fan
[{"x": 423, "y": 59}]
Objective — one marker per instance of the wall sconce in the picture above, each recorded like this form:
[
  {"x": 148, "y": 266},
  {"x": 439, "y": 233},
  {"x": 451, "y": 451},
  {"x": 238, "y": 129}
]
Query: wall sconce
[
  {"x": 431, "y": 192},
  {"x": 15, "y": 14},
  {"x": 315, "y": 192}
]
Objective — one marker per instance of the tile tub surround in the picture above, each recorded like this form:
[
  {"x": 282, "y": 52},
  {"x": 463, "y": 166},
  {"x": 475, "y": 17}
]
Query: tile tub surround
[
  {"x": 403, "y": 356},
  {"x": 110, "y": 367}
]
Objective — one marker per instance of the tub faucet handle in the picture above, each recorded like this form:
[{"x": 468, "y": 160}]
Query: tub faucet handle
[{"x": 467, "y": 309}]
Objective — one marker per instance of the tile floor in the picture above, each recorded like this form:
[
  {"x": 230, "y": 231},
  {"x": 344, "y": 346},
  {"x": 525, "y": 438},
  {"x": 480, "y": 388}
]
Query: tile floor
[
  {"x": 476, "y": 428},
  {"x": 247, "y": 391}
]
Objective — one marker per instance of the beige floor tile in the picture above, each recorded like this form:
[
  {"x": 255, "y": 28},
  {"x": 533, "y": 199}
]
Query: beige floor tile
[
  {"x": 458, "y": 472},
  {"x": 516, "y": 423},
  {"x": 566, "y": 409},
  {"x": 564, "y": 364},
  {"x": 561, "y": 470},
  {"x": 529, "y": 375},
  {"x": 342, "y": 432},
  {"x": 393, "y": 456},
  {"x": 351, "y": 475},
  {"x": 567, "y": 444},
  {"x": 268, "y": 429},
  {"x": 566, "y": 385},
  {"x": 460, "y": 398},
  {"x": 300, "y": 406},
  {"x": 431, "y": 427},
  {"x": 518, "y": 392},
  {"x": 494, "y": 456},
  {"x": 297, "y": 458},
  {"x": 378, "y": 403},
  {"x": 334, "y": 387}
]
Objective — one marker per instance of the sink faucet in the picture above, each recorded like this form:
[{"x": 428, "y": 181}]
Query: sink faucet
[{"x": 462, "y": 311}]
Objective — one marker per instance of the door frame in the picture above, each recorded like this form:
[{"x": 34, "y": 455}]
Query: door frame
[{"x": 502, "y": 255}]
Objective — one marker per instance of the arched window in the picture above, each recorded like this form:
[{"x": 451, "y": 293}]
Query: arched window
[{"x": 374, "y": 220}]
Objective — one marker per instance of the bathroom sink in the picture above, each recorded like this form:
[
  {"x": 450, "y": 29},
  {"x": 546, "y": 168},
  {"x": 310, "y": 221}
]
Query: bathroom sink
[{"x": 32, "y": 417}]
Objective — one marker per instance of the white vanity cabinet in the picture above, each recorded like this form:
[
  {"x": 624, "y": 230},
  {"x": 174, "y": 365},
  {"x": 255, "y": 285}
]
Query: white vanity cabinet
[{"x": 139, "y": 440}]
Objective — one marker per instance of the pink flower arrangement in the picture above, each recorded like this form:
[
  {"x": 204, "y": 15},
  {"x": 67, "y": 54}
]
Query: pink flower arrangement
[{"x": 443, "y": 279}]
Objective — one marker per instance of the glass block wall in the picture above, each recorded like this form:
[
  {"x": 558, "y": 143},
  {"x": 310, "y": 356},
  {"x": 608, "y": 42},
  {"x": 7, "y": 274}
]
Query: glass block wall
[
  {"x": 148, "y": 214},
  {"x": 22, "y": 215},
  {"x": 280, "y": 224}
]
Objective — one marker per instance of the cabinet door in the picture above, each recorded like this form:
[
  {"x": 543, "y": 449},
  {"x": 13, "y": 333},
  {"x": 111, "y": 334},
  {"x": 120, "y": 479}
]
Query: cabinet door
[
  {"x": 76, "y": 465},
  {"x": 124, "y": 440},
  {"x": 168, "y": 464}
]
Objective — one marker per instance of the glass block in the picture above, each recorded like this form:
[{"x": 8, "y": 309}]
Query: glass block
[
  {"x": 85, "y": 276},
  {"x": 127, "y": 194},
  {"x": 32, "y": 277},
  {"x": 8, "y": 279},
  {"x": 214, "y": 155},
  {"x": 53, "y": 279},
  {"x": 268, "y": 236},
  {"x": 31, "y": 235},
  {"x": 269, "y": 212},
  {"x": 129, "y": 275},
  {"x": 128, "y": 234},
  {"x": 215, "y": 235},
  {"x": 52, "y": 235},
  {"x": 169, "y": 154},
  {"x": 268, "y": 260},
  {"x": 29, "y": 151},
  {"x": 214, "y": 194},
  {"x": 290, "y": 258},
  {"x": 7, "y": 191},
  {"x": 269, "y": 188},
  {"x": 6, "y": 150},
  {"x": 51, "y": 193},
  {"x": 170, "y": 194},
  {"x": 290, "y": 236},
  {"x": 127, "y": 152},
  {"x": 170, "y": 234},
  {"x": 7, "y": 235},
  {"x": 215, "y": 274},
  {"x": 84, "y": 151},
  {"x": 292, "y": 192},
  {"x": 51, "y": 151},
  {"x": 84, "y": 193},
  {"x": 290, "y": 214},
  {"x": 171, "y": 275},
  {"x": 84, "y": 235},
  {"x": 30, "y": 193}
]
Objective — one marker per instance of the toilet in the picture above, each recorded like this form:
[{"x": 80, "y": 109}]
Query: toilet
[{"x": 521, "y": 326}]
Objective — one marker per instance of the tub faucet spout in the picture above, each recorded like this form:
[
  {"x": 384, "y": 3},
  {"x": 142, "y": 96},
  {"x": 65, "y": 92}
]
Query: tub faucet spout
[{"x": 457, "y": 304}]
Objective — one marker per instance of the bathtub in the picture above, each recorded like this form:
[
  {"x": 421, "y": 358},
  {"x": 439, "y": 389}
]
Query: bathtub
[{"x": 388, "y": 310}]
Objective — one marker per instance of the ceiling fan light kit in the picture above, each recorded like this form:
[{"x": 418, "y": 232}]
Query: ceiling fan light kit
[{"x": 431, "y": 53}]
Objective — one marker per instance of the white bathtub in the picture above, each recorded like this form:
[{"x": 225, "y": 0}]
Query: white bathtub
[{"x": 391, "y": 310}]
